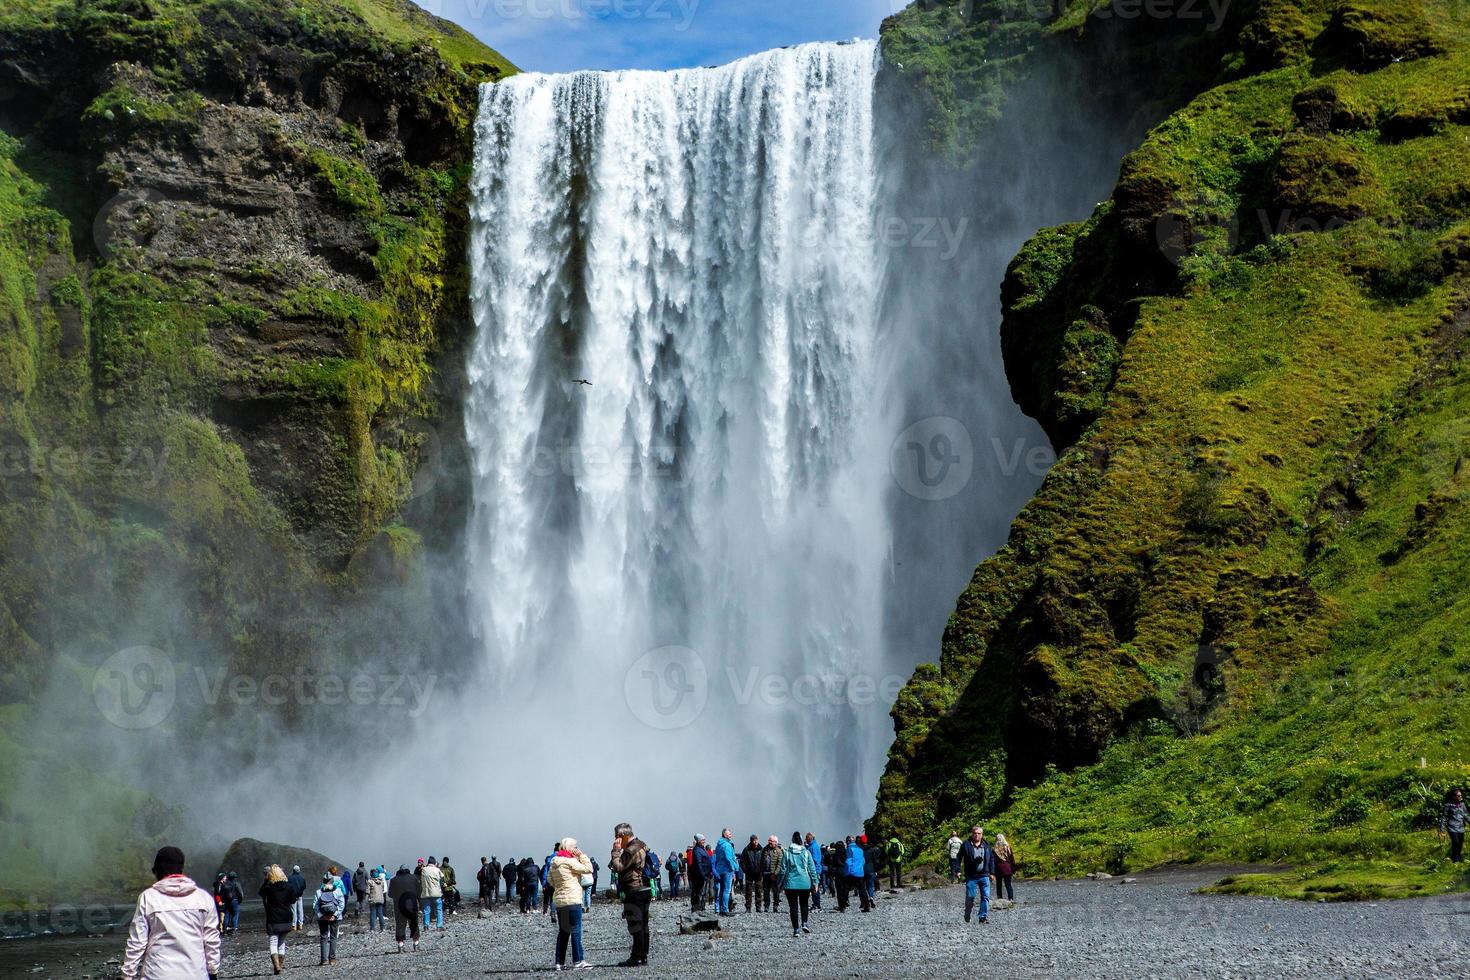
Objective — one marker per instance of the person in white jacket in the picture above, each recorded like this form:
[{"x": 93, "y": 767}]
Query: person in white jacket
[{"x": 174, "y": 934}]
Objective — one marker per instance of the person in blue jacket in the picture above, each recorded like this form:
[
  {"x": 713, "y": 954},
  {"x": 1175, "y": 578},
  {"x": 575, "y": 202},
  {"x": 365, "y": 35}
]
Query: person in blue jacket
[
  {"x": 727, "y": 870},
  {"x": 814, "y": 847},
  {"x": 546, "y": 892},
  {"x": 701, "y": 870},
  {"x": 854, "y": 874},
  {"x": 977, "y": 862}
]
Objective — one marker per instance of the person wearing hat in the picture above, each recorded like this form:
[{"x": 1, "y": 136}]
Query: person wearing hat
[
  {"x": 770, "y": 872},
  {"x": 377, "y": 896},
  {"x": 174, "y": 934},
  {"x": 297, "y": 881},
  {"x": 431, "y": 894},
  {"x": 700, "y": 871},
  {"x": 569, "y": 867},
  {"x": 750, "y": 863}
]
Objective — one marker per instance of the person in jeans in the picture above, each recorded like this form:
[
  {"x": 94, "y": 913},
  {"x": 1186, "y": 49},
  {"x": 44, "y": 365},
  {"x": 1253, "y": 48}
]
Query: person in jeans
[
  {"x": 798, "y": 873},
  {"x": 174, "y": 931},
  {"x": 1005, "y": 868},
  {"x": 954, "y": 845},
  {"x": 674, "y": 865},
  {"x": 568, "y": 866},
  {"x": 727, "y": 869},
  {"x": 977, "y": 863},
  {"x": 854, "y": 877},
  {"x": 627, "y": 863},
  {"x": 815, "y": 849},
  {"x": 431, "y": 894},
  {"x": 403, "y": 892},
  {"x": 232, "y": 895},
  {"x": 377, "y": 896},
  {"x": 297, "y": 881},
  {"x": 329, "y": 906},
  {"x": 1452, "y": 820}
]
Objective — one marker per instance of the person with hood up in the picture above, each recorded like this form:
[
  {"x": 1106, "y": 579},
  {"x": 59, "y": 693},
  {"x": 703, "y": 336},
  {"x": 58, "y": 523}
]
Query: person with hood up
[
  {"x": 798, "y": 873},
  {"x": 297, "y": 881},
  {"x": 527, "y": 880},
  {"x": 727, "y": 869},
  {"x": 377, "y": 897},
  {"x": 628, "y": 853},
  {"x": 278, "y": 898},
  {"x": 431, "y": 894},
  {"x": 403, "y": 892},
  {"x": 854, "y": 875},
  {"x": 174, "y": 934},
  {"x": 750, "y": 864},
  {"x": 568, "y": 866},
  {"x": 674, "y": 865},
  {"x": 701, "y": 870}
]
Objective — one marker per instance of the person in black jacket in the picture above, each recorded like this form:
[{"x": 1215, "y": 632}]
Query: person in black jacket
[
  {"x": 403, "y": 893},
  {"x": 871, "y": 854},
  {"x": 977, "y": 864},
  {"x": 750, "y": 867},
  {"x": 770, "y": 872},
  {"x": 528, "y": 881},
  {"x": 298, "y": 888},
  {"x": 279, "y": 897},
  {"x": 701, "y": 869},
  {"x": 509, "y": 872}
]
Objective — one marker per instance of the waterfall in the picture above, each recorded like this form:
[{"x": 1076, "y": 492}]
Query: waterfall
[{"x": 692, "y": 547}]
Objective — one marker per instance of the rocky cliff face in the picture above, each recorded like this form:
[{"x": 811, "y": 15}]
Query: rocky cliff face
[
  {"x": 1249, "y": 357},
  {"x": 232, "y": 304}
]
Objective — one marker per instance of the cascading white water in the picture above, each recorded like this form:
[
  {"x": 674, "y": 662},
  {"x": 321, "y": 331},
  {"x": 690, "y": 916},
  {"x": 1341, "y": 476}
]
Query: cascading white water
[{"x": 700, "y": 246}]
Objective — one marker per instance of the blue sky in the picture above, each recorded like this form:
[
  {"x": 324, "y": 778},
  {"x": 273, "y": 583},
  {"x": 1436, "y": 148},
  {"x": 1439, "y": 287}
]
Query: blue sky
[{"x": 564, "y": 35}]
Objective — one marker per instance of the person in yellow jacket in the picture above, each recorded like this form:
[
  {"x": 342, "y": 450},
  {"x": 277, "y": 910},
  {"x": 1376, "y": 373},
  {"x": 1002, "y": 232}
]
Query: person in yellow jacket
[{"x": 568, "y": 866}]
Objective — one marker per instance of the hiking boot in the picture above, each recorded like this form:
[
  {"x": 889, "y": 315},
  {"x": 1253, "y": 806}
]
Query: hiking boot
[{"x": 630, "y": 961}]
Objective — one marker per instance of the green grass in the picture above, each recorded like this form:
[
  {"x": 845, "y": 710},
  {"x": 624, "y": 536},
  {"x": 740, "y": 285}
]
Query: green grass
[{"x": 1269, "y": 476}]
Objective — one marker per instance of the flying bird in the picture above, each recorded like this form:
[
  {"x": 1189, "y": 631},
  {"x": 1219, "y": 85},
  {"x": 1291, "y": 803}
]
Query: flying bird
[{"x": 582, "y": 381}]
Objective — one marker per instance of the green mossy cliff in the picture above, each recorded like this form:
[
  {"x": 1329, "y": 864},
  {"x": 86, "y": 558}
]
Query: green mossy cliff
[
  {"x": 1231, "y": 623},
  {"x": 232, "y": 308}
]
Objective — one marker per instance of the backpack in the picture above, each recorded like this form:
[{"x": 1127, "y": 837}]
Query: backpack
[
  {"x": 328, "y": 904},
  {"x": 895, "y": 850},
  {"x": 650, "y": 865}
]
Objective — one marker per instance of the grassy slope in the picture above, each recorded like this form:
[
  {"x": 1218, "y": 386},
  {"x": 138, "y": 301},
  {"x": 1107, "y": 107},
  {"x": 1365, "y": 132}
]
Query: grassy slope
[{"x": 1273, "y": 476}]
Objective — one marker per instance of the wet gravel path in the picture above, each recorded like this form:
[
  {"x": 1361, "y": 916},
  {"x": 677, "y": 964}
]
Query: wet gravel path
[{"x": 1155, "y": 927}]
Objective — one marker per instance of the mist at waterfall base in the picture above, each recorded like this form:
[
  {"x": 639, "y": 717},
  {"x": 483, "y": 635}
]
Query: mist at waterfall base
[{"x": 696, "y": 584}]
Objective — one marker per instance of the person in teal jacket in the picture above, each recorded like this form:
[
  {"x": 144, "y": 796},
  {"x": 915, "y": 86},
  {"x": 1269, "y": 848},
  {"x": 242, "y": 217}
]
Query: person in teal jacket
[
  {"x": 798, "y": 875},
  {"x": 727, "y": 869}
]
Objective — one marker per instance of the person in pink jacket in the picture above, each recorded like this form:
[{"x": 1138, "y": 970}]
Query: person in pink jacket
[{"x": 174, "y": 934}]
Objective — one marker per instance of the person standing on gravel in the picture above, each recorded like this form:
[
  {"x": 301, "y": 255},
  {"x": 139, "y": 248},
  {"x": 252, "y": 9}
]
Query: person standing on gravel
[
  {"x": 451, "y": 886},
  {"x": 674, "y": 865},
  {"x": 592, "y": 890},
  {"x": 871, "y": 854},
  {"x": 798, "y": 872},
  {"x": 894, "y": 853},
  {"x": 727, "y": 869},
  {"x": 855, "y": 875},
  {"x": 1452, "y": 821},
  {"x": 359, "y": 886},
  {"x": 431, "y": 894},
  {"x": 627, "y": 863},
  {"x": 403, "y": 892},
  {"x": 377, "y": 895},
  {"x": 526, "y": 878},
  {"x": 750, "y": 863},
  {"x": 701, "y": 869},
  {"x": 954, "y": 845},
  {"x": 815, "y": 849},
  {"x": 510, "y": 872},
  {"x": 1005, "y": 868},
  {"x": 770, "y": 872},
  {"x": 277, "y": 897},
  {"x": 568, "y": 866},
  {"x": 329, "y": 906},
  {"x": 977, "y": 861},
  {"x": 297, "y": 881}
]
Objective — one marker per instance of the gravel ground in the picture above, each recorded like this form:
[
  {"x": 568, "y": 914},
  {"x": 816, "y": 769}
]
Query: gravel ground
[{"x": 1155, "y": 927}]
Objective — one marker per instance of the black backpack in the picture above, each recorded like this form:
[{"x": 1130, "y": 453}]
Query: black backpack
[{"x": 408, "y": 904}]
